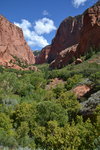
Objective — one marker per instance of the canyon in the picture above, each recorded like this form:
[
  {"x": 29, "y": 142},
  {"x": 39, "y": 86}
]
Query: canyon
[{"x": 74, "y": 38}]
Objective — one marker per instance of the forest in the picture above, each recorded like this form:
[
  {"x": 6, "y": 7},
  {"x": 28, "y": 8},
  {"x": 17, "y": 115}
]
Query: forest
[{"x": 36, "y": 116}]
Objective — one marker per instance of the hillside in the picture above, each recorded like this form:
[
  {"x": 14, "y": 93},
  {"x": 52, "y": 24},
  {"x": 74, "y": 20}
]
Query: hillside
[{"x": 47, "y": 109}]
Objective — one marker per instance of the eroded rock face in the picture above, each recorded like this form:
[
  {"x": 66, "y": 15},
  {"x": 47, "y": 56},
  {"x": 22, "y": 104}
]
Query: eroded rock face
[
  {"x": 43, "y": 56},
  {"x": 12, "y": 44},
  {"x": 64, "y": 57},
  {"x": 90, "y": 34},
  {"x": 89, "y": 37},
  {"x": 68, "y": 34}
]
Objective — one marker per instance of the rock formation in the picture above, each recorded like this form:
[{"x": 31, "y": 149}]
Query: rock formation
[
  {"x": 73, "y": 39},
  {"x": 90, "y": 34},
  {"x": 81, "y": 90},
  {"x": 89, "y": 37},
  {"x": 68, "y": 34},
  {"x": 89, "y": 105},
  {"x": 43, "y": 56},
  {"x": 12, "y": 44},
  {"x": 64, "y": 57}
]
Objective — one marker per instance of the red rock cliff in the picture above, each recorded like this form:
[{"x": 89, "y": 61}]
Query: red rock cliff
[
  {"x": 68, "y": 34},
  {"x": 89, "y": 37},
  {"x": 12, "y": 43},
  {"x": 90, "y": 34},
  {"x": 43, "y": 56},
  {"x": 64, "y": 57}
]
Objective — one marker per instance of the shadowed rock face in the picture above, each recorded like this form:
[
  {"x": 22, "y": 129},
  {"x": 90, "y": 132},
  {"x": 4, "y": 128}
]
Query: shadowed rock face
[
  {"x": 68, "y": 34},
  {"x": 43, "y": 56},
  {"x": 90, "y": 34},
  {"x": 12, "y": 43}
]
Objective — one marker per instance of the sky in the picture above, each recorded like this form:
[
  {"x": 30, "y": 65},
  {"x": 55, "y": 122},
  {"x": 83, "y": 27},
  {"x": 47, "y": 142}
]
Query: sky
[{"x": 39, "y": 19}]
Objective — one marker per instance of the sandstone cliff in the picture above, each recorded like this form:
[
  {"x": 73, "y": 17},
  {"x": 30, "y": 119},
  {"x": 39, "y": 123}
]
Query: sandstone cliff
[
  {"x": 89, "y": 37},
  {"x": 68, "y": 34},
  {"x": 90, "y": 34},
  {"x": 43, "y": 56},
  {"x": 64, "y": 57},
  {"x": 12, "y": 44}
]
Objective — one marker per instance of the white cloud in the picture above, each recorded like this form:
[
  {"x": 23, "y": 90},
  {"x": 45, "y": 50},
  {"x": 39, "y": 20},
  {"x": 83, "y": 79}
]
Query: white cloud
[
  {"x": 44, "y": 25},
  {"x": 34, "y": 37},
  {"x": 45, "y": 13},
  {"x": 77, "y": 3},
  {"x": 25, "y": 25},
  {"x": 36, "y": 40}
]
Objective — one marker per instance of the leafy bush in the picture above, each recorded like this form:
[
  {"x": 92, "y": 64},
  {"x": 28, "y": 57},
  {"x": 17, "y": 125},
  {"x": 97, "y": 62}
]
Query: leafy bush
[{"x": 71, "y": 82}]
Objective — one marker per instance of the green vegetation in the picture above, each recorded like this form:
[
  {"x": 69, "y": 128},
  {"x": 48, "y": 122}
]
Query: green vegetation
[
  {"x": 19, "y": 62},
  {"x": 34, "y": 117}
]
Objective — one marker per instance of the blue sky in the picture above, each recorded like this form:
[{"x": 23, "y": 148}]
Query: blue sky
[{"x": 40, "y": 19}]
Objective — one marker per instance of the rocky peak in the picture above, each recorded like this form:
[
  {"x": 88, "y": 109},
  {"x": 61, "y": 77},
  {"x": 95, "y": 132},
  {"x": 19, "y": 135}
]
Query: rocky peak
[{"x": 13, "y": 44}]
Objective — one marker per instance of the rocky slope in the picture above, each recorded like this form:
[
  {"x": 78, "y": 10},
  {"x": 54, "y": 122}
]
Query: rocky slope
[
  {"x": 12, "y": 44},
  {"x": 64, "y": 57}
]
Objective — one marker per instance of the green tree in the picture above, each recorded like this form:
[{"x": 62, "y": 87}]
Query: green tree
[
  {"x": 49, "y": 111},
  {"x": 39, "y": 134},
  {"x": 87, "y": 134},
  {"x": 7, "y": 134},
  {"x": 54, "y": 136},
  {"x": 71, "y": 82},
  {"x": 25, "y": 112},
  {"x": 71, "y": 137},
  {"x": 69, "y": 102},
  {"x": 23, "y": 134}
]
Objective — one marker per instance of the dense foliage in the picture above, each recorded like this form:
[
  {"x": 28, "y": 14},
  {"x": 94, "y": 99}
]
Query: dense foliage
[{"x": 34, "y": 117}]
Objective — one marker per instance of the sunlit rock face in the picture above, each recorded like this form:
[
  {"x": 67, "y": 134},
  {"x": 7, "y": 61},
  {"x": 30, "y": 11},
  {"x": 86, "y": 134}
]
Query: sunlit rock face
[{"x": 12, "y": 44}]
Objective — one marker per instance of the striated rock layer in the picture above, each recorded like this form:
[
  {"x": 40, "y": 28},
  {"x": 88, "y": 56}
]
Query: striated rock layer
[{"x": 12, "y": 44}]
